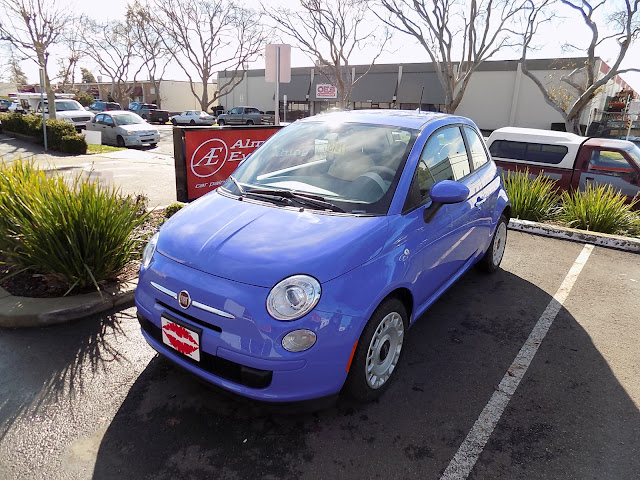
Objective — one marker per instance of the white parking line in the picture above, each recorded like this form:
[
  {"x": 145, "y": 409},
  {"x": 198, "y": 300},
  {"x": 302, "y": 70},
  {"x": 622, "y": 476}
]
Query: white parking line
[{"x": 465, "y": 458}]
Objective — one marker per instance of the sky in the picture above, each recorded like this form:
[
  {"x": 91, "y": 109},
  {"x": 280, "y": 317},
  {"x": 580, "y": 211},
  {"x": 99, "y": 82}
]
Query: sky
[{"x": 402, "y": 49}]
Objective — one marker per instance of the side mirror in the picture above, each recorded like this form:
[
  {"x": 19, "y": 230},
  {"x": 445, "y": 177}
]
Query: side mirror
[
  {"x": 448, "y": 191},
  {"x": 444, "y": 192}
]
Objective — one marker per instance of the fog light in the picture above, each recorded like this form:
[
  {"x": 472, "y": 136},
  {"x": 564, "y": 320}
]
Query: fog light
[{"x": 299, "y": 340}]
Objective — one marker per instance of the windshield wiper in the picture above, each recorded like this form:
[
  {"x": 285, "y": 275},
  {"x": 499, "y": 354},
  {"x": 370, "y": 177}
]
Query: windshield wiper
[{"x": 304, "y": 199}]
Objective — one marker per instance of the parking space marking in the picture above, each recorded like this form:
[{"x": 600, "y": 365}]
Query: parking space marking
[{"x": 467, "y": 455}]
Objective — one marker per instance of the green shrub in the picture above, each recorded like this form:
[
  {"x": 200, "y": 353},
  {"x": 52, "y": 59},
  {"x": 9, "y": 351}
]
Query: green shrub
[
  {"x": 85, "y": 99},
  {"x": 598, "y": 208},
  {"x": 531, "y": 199},
  {"x": 61, "y": 136},
  {"x": 76, "y": 231},
  {"x": 172, "y": 209}
]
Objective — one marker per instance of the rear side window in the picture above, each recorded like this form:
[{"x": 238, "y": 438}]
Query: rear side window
[
  {"x": 532, "y": 152},
  {"x": 476, "y": 147}
]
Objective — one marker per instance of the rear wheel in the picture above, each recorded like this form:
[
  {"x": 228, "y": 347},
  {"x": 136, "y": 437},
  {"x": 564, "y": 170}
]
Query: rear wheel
[
  {"x": 249, "y": 122},
  {"x": 492, "y": 258},
  {"x": 120, "y": 142},
  {"x": 192, "y": 122},
  {"x": 379, "y": 350},
  {"x": 174, "y": 122}
]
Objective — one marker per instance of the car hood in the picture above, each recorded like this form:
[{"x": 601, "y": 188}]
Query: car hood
[
  {"x": 73, "y": 113},
  {"x": 138, "y": 127},
  {"x": 261, "y": 244}
]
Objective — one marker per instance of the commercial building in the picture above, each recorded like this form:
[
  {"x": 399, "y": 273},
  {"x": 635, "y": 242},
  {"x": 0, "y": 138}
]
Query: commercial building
[{"x": 498, "y": 95}]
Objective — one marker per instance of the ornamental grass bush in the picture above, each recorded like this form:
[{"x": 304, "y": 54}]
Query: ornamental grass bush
[
  {"x": 75, "y": 231},
  {"x": 531, "y": 198},
  {"x": 598, "y": 209}
]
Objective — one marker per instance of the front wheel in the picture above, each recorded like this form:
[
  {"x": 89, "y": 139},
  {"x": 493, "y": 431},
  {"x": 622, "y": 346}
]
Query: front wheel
[
  {"x": 221, "y": 123},
  {"x": 379, "y": 349},
  {"x": 120, "y": 142},
  {"x": 492, "y": 258}
]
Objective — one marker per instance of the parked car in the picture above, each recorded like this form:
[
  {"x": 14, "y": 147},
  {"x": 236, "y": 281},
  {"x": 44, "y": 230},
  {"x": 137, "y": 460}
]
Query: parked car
[
  {"x": 150, "y": 112},
  {"x": 571, "y": 160},
  {"x": 69, "y": 111},
  {"x": 244, "y": 116},
  {"x": 124, "y": 129},
  {"x": 101, "y": 106},
  {"x": 193, "y": 117},
  {"x": 301, "y": 275},
  {"x": 5, "y": 104},
  {"x": 15, "y": 107}
]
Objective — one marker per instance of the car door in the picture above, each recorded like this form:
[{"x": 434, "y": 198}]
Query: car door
[
  {"x": 442, "y": 239},
  {"x": 109, "y": 132},
  {"x": 610, "y": 167}
]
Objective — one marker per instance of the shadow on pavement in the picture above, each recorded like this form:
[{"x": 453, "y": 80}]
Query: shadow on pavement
[
  {"x": 13, "y": 149},
  {"x": 172, "y": 426},
  {"x": 40, "y": 366}
]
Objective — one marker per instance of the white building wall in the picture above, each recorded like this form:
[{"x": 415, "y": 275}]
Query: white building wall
[
  {"x": 6, "y": 88},
  {"x": 177, "y": 96},
  {"x": 252, "y": 92},
  {"x": 487, "y": 99}
]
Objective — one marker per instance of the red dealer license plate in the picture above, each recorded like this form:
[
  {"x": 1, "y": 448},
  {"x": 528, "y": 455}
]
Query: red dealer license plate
[{"x": 180, "y": 338}]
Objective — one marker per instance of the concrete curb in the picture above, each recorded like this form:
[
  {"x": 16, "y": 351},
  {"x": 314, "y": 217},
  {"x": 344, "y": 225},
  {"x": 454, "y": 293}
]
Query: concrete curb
[
  {"x": 40, "y": 312},
  {"x": 627, "y": 244}
]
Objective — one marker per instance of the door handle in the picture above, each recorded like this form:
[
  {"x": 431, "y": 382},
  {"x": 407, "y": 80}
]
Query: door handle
[
  {"x": 480, "y": 201},
  {"x": 589, "y": 179}
]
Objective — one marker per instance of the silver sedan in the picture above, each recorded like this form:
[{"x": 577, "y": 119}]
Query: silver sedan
[
  {"x": 193, "y": 117},
  {"x": 124, "y": 129}
]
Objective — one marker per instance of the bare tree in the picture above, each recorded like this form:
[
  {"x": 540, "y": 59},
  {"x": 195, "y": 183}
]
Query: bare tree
[
  {"x": 329, "y": 31},
  {"x": 206, "y": 36},
  {"x": 111, "y": 47},
  {"x": 457, "y": 36},
  {"x": 16, "y": 74},
  {"x": 69, "y": 63},
  {"x": 148, "y": 44},
  {"x": 33, "y": 27},
  {"x": 571, "y": 94}
]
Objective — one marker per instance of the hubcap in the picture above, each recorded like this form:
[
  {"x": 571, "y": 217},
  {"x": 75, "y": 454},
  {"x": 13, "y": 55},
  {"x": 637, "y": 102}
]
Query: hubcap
[
  {"x": 384, "y": 350},
  {"x": 499, "y": 242}
]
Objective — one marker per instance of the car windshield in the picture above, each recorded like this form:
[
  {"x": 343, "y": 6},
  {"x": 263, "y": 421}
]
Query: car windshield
[
  {"x": 634, "y": 153},
  {"x": 127, "y": 119},
  {"x": 354, "y": 166},
  {"x": 68, "y": 105}
]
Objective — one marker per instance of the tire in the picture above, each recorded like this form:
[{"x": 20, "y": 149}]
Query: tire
[
  {"x": 378, "y": 353},
  {"x": 249, "y": 122},
  {"x": 120, "y": 142},
  {"x": 175, "y": 122},
  {"x": 492, "y": 258},
  {"x": 152, "y": 145},
  {"x": 192, "y": 122},
  {"x": 221, "y": 123}
]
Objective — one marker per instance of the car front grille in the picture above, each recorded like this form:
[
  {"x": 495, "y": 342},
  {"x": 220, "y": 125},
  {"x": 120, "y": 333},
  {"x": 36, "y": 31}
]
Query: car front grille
[{"x": 81, "y": 119}]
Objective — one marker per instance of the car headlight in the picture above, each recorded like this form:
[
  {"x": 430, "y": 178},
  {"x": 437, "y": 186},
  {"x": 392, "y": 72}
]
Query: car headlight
[
  {"x": 149, "y": 250},
  {"x": 65, "y": 119},
  {"x": 293, "y": 297}
]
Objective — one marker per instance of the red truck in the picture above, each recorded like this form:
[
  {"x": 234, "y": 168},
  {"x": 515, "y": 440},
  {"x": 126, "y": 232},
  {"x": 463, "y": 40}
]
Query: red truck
[{"x": 573, "y": 161}]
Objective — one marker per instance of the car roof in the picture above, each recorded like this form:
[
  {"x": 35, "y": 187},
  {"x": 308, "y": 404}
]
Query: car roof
[
  {"x": 117, "y": 112},
  {"x": 536, "y": 135},
  {"x": 610, "y": 143},
  {"x": 396, "y": 118}
]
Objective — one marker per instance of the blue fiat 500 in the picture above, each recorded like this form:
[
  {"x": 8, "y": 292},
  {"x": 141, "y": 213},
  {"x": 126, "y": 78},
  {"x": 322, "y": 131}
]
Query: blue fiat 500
[{"x": 300, "y": 276}]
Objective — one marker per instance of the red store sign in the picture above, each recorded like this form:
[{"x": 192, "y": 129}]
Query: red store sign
[
  {"x": 326, "y": 91},
  {"x": 205, "y": 157}
]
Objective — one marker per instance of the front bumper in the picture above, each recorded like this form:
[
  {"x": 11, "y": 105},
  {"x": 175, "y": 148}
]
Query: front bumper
[
  {"x": 136, "y": 141},
  {"x": 244, "y": 354}
]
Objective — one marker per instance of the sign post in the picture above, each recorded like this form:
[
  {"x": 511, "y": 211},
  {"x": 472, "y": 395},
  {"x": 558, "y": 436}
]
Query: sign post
[
  {"x": 44, "y": 117},
  {"x": 278, "y": 70}
]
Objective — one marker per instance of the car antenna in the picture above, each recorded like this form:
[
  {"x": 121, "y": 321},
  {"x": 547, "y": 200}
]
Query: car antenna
[{"x": 420, "y": 104}]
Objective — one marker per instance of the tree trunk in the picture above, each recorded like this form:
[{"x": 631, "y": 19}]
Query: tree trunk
[
  {"x": 204, "y": 100},
  {"x": 572, "y": 124},
  {"x": 51, "y": 96}
]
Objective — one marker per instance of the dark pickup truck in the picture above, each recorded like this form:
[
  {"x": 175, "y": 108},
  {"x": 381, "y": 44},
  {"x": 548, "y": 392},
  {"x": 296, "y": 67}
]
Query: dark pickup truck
[
  {"x": 571, "y": 160},
  {"x": 150, "y": 112}
]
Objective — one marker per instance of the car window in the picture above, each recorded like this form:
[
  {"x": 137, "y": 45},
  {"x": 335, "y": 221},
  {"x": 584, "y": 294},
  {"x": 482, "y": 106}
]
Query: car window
[
  {"x": 609, "y": 163},
  {"x": 444, "y": 157},
  {"x": 532, "y": 152},
  {"x": 66, "y": 105},
  {"x": 355, "y": 166},
  {"x": 235, "y": 110},
  {"x": 476, "y": 147},
  {"x": 99, "y": 118},
  {"x": 108, "y": 120},
  {"x": 128, "y": 119}
]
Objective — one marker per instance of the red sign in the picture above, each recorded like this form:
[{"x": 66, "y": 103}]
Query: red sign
[
  {"x": 326, "y": 91},
  {"x": 212, "y": 155}
]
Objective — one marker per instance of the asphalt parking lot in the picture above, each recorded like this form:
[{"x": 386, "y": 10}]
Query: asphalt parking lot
[{"x": 90, "y": 400}]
